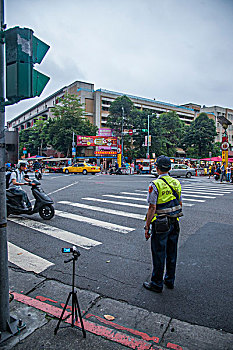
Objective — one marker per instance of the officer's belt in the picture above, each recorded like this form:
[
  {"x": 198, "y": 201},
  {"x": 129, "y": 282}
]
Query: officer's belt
[{"x": 168, "y": 210}]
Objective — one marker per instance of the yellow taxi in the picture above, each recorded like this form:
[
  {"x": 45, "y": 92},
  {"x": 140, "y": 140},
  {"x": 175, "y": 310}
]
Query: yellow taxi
[{"x": 84, "y": 168}]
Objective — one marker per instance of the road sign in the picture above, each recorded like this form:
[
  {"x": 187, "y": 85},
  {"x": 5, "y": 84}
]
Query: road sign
[
  {"x": 225, "y": 146},
  {"x": 130, "y": 132},
  {"x": 119, "y": 149}
]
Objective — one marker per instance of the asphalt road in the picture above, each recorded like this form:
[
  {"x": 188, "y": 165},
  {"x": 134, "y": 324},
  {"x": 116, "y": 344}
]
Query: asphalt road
[{"x": 118, "y": 260}]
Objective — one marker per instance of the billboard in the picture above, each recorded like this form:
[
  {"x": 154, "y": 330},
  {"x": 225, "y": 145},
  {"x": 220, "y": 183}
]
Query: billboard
[{"x": 86, "y": 141}]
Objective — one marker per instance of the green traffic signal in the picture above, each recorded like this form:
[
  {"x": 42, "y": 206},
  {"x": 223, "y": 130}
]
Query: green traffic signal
[{"x": 23, "y": 50}]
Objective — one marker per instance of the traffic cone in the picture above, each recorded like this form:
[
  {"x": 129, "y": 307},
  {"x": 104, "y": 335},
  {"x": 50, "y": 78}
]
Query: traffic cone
[{"x": 196, "y": 173}]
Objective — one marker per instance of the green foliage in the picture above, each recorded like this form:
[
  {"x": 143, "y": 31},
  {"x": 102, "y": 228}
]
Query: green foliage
[
  {"x": 58, "y": 131},
  {"x": 69, "y": 119},
  {"x": 120, "y": 108},
  {"x": 199, "y": 137},
  {"x": 167, "y": 131},
  {"x": 34, "y": 138}
]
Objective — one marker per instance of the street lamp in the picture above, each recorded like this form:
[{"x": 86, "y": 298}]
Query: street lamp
[{"x": 148, "y": 132}]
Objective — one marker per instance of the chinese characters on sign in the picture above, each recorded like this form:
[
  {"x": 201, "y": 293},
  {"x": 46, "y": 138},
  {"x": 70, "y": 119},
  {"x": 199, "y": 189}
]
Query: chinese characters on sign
[{"x": 96, "y": 141}]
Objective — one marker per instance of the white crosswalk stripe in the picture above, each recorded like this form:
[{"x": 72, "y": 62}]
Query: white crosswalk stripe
[
  {"x": 202, "y": 193},
  {"x": 99, "y": 223},
  {"x": 127, "y": 204},
  {"x": 116, "y": 203},
  {"x": 208, "y": 188},
  {"x": 143, "y": 199},
  {"x": 191, "y": 195},
  {"x": 104, "y": 210},
  {"x": 26, "y": 260},
  {"x": 55, "y": 232}
]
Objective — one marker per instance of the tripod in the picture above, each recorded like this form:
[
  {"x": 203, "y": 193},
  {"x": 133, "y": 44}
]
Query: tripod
[{"x": 75, "y": 305}]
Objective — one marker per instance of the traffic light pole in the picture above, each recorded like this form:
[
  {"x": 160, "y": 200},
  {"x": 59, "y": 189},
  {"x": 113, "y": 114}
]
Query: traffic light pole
[
  {"x": 4, "y": 284},
  {"x": 8, "y": 325}
]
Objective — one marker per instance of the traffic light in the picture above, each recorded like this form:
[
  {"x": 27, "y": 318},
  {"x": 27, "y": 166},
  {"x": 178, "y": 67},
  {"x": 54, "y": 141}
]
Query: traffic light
[{"x": 23, "y": 50}]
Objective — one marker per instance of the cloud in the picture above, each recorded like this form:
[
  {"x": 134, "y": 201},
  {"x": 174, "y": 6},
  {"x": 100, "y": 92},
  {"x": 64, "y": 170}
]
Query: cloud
[{"x": 176, "y": 51}]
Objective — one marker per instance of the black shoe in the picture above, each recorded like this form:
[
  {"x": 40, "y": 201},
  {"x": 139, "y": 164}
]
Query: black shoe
[
  {"x": 169, "y": 285},
  {"x": 152, "y": 287}
]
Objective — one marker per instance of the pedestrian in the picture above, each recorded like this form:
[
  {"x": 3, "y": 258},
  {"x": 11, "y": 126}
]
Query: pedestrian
[
  {"x": 209, "y": 170},
  {"x": 101, "y": 168},
  {"x": 223, "y": 172},
  {"x": 132, "y": 168},
  {"x": 140, "y": 168},
  {"x": 231, "y": 172},
  {"x": 228, "y": 173},
  {"x": 165, "y": 207},
  {"x": 212, "y": 170}
]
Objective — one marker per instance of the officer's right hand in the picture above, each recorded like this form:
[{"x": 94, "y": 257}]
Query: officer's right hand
[{"x": 147, "y": 233}]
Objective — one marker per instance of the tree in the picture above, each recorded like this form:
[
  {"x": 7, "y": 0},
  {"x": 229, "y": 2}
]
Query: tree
[
  {"x": 34, "y": 139},
  {"x": 68, "y": 119},
  {"x": 119, "y": 113},
  {"x": 166, "y": 132},
  {"x": 199, "y": 137}
]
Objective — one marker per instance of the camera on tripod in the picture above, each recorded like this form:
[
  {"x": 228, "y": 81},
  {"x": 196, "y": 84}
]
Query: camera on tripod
[
  {"x": 71, "y": 250},
  {"x": 73, "y": 294}
]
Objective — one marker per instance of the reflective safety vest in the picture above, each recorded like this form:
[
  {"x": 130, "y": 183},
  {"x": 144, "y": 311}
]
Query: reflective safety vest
[{"x": 167, "y": 204}]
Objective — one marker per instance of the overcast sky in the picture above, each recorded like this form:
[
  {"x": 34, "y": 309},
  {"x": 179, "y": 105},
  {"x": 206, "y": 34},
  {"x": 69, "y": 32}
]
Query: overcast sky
[{"x": 175, "y": 51}]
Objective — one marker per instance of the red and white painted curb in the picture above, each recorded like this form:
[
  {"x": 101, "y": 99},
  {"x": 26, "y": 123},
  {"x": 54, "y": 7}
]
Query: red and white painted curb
[{"x": 142, "y": 341}]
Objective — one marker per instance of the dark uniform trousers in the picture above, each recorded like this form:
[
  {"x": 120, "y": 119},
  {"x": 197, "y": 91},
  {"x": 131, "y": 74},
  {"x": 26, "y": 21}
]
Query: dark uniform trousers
[{"x": 164, "y": 249}]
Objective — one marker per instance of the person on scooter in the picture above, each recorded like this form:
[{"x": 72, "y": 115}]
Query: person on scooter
[{"x": 16, "y": 181}]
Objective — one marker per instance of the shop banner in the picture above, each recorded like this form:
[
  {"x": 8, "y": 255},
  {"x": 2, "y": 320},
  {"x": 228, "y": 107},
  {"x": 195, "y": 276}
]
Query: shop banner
[
  {"x": 106, "y": 153},
  {"x": 96, "y": 141}
]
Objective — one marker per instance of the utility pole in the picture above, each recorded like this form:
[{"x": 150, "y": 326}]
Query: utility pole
[
  {"x": 122, "y": 132},
  {"x": 4, "y": 283},
  {"x": 148, "y": 134}
]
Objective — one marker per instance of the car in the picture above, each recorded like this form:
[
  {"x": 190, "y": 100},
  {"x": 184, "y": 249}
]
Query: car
[
  {"x": 84, "y": 168},
  {"x": 181, "y": 170},
  {"x": 154, "y": 172},
  {"x": 178, "y": 170}
]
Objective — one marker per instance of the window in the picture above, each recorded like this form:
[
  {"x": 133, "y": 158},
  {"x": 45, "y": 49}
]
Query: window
[{"x": 80, "y": 164}]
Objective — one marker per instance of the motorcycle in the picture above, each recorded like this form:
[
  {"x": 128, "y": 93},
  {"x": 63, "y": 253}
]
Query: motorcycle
[
  {"x": 114, "y": 171},
  {"x": 43, "y": 204},
  {"x": 38, "y": 174}
]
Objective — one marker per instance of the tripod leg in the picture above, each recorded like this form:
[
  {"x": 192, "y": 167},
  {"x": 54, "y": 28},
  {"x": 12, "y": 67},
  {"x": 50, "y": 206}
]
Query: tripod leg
[
  {"x": 63, "y": 311},
  {"x": 80, "y": 315}
]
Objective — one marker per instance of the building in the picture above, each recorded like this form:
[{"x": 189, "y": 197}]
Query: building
[
  {"x": 96, "y": 106},
  {"x": 215, "y": 113}
]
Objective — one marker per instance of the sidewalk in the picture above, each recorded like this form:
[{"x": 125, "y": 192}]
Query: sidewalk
[{"x": 39, "y": 302}]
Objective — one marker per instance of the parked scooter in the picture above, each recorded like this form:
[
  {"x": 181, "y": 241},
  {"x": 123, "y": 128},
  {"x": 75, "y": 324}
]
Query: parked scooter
[
  {"x": 114, "y": 171},
  {"x": 38, "y": 174},
  {"x": 43, "y": 204}
]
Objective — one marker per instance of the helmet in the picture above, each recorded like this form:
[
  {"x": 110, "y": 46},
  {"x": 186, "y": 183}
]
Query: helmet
[{"x": 163, "y": 163}]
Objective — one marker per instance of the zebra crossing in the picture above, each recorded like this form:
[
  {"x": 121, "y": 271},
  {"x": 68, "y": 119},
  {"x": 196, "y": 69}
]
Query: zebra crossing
[{"x": 114, "y": 205}]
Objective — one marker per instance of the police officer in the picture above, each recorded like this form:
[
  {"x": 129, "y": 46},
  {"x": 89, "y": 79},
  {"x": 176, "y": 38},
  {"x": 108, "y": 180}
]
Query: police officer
[{"x": 165, "y": 207}]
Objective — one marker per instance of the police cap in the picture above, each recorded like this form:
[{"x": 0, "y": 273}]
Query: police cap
[{"x": 163, "y": 163}]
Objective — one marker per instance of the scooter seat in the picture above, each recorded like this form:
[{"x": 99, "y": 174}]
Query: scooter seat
[{"x": 13, "y": 195}]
